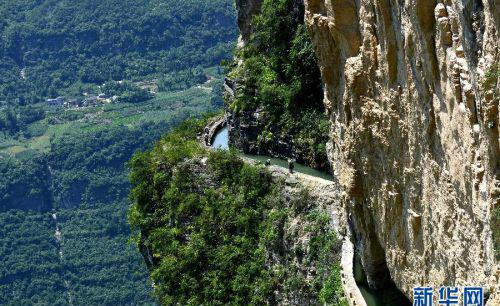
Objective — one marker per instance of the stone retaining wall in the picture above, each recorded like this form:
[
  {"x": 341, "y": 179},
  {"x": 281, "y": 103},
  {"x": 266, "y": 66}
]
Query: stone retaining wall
[
  {"x": 214, "y": 126},
  {"x": 351, "y": 290}
]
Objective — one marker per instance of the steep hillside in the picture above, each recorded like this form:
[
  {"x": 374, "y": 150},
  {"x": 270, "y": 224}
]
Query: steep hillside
[
  {"x": 53, "y": 47},
  {"x": 274, "y": 97},
  {"x": 412, "y": 93},
  {"x": 63, "y": 173}
]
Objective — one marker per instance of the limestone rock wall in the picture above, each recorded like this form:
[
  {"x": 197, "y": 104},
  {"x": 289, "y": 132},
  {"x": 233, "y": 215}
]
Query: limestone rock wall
[{"x": 411, "y": 88}]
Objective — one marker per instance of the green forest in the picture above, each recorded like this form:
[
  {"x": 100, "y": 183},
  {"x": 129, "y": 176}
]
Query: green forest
[
  {"x": 78, "y": 168},
  {"x": 97, "y": 266},
  {"x": 213, "y": 229},
  {"x": 53, "y": 47},
  {"x": 160, "y": 60}
]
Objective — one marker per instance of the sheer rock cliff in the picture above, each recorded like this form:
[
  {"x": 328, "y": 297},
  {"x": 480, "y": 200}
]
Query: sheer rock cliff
[{"x": 411, "y": 88}]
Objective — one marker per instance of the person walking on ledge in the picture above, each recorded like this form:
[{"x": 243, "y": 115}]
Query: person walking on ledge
[{"x": 291, "y": 165}]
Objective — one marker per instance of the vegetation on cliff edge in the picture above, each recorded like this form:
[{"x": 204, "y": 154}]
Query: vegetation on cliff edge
[
  {"x": 216, "y": 231},
  {"x": 279, "y": 73}
]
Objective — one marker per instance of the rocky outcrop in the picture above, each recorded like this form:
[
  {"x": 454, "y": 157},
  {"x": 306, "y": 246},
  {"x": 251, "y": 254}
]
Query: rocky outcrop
[
  {"x": 412, "y": 92},
  {"x": 245, "y": 134},
  {"x": 244, "y": 130},
  {"x": 246, "y": 10}
]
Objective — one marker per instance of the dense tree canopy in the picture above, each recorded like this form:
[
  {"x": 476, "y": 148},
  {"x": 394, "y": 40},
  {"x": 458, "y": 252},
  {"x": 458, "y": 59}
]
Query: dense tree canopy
[
  {"x": 50, "y": 47},
  {"x": 214, "y": 230},
  {"x": 25, "y": 183}
]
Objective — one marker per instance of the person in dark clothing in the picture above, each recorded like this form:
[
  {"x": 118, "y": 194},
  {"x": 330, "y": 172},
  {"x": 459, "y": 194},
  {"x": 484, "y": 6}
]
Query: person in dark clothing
[
  {"x": 291, "y": 165},
  {"x": 207, "y": 138}
]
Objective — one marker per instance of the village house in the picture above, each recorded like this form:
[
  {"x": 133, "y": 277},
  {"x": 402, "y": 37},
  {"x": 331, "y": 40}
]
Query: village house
[
  {"x": 57, "y": 102},
  {"x": 90, "y": 101},
  {"x": 73, "y": 103}
]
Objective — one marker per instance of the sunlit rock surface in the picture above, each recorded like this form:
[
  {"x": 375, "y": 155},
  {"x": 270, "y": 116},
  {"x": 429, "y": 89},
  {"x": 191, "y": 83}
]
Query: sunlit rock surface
[{"x": 411, "y": 88}]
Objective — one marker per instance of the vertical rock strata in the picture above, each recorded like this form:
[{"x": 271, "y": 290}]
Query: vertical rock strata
[{"x": 411, "y": 88}]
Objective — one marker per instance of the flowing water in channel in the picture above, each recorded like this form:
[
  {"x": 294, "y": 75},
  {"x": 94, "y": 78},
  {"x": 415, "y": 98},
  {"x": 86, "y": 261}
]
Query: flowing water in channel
[
  {"x": 221, "y": 141},
  {"x": 389, "y": 296}
]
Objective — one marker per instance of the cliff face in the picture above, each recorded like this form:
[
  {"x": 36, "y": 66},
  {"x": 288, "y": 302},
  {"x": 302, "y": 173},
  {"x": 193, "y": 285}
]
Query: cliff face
[{"x": 412, "y": 93}]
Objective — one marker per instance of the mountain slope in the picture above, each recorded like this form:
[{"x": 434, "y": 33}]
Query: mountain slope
[
  {"x": 70, "y": 162},
  {"x": 48, "y": 48}
]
